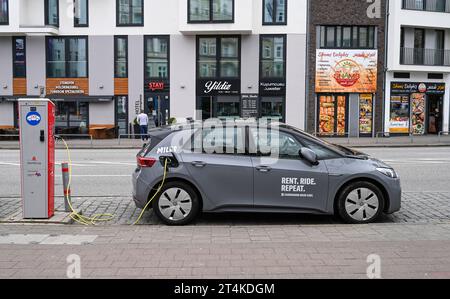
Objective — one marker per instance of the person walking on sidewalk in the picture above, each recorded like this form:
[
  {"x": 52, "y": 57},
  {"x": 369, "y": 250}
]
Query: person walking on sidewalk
[{"x": 142, "y": 120}]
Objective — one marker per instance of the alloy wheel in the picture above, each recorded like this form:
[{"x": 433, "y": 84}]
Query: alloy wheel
[
  {"x": 175, "y": 204},
  {"x": 362, "y": 204}
]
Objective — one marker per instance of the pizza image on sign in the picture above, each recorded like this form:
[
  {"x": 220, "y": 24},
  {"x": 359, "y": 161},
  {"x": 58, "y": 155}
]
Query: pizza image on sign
[{"x": 347, "y": 73}]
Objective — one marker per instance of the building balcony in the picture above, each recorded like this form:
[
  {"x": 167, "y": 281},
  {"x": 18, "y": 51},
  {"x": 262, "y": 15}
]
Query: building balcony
[
  {"x": 427, "y": 57},
  {"x": 427, "y": 5}
]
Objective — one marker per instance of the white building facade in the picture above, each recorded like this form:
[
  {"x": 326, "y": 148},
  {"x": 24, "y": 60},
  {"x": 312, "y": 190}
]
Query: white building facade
[
  {"x": 103, "y": 62},
  {"x": 418, "y": 67}
]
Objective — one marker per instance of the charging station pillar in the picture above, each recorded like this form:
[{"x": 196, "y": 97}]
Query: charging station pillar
[{"x": 37, "y": 157}]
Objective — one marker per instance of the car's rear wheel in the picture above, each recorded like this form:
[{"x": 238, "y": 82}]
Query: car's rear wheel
[
  {"x": 177, "y": 204},
  {"x": 360, "y": 203}
]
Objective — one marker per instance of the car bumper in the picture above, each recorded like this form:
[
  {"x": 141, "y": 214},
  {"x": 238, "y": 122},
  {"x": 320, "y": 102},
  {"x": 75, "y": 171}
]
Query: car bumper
[
  {"x": 139, "y": 193},
  {"x": 394, "y": 190}
]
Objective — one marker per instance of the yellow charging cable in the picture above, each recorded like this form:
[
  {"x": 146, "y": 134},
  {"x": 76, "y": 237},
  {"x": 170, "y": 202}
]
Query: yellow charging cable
[
  {"x": 154, "y": 195},
  {"x": 84, "y": 220},
  {"x": 104, "y": 217}
]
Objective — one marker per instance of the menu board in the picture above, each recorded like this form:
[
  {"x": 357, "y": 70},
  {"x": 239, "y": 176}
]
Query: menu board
[
  {"x": 399, "y": 114},
  {"x": 418, "y": 113},
  {"x": 365, "y": 114},
  {"x": 249, "y": 106}
]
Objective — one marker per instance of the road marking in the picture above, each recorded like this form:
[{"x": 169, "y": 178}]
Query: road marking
[
  {"x": 21, "y": 239},
  {"x": 80, "y": 164},
  {"x": 418, "y": 161},
  {"x": 101, "y": 175},
  {"x": 9, "y": 164}
]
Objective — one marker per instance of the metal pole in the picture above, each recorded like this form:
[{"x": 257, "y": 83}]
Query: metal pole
[{"x": 67, "y": 194}]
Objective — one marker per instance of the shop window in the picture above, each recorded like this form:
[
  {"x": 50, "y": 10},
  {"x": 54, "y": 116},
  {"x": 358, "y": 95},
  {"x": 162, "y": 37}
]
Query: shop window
[
  {"x": 19, "y": 55},
  {"x": 228, "y": 107},
  {"x": 274, "y": 12},
  {"x": 67, "y": 57},
  {"x": 210, "y": 11},
  {"x": 332, "y": 115},
  {"x": 52, "y": 12},
  {"x": 399, "y": 118},
  {"x": 121, "y": 57},
  {"x": 272, "y": 108},
  {"x": 72, "y": 117},
  {"x": 130, "y": 12},
  {"x": 81, "y": 13},
  {"x": 122, "y": 114},
  {"x": 156, "y": 56},
  {"x": 366, "y": 114},
  {"x": 218, "y": 57},
  {"x": 4, "y": 12},
  {"x": 273, "y": 62},
  {"x": 347, "y": 37}
]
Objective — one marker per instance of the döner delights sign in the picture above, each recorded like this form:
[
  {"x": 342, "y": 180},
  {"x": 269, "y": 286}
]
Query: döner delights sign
[
  {"x": 218, "y": 87},
  {"x": 413, "y": 87},
  {"x": 349, "y": 71}
]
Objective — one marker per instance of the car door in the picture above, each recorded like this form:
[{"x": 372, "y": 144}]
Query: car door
[
  {"x": 222, "y": 169},
  {"x": 284, "y": 180}
]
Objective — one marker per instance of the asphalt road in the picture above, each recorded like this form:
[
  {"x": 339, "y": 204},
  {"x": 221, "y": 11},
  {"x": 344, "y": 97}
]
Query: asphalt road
[{"x": 107, "y": 172}]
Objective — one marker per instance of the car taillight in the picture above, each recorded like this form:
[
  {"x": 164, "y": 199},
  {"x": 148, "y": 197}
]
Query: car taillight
[{"x": 145, "y": 162}]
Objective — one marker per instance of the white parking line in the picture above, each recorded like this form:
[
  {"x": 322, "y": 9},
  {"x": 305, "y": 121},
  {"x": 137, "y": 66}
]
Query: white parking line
[
  {"x": 21, "y": 239},
  {"x": 80, "y": 163},
  {"x": 101, "y": 176},
  {"x": 9, "y": 164}
]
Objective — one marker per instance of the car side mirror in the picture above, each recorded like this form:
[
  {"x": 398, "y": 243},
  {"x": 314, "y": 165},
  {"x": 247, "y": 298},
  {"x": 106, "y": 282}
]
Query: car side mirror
[{"x": 309, "y": 155}]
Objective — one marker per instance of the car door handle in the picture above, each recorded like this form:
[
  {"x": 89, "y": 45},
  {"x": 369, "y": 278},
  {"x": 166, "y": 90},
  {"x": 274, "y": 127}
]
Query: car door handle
[
  {"x": 198, "y": 164},
  {"x": 263, "y": 168}
]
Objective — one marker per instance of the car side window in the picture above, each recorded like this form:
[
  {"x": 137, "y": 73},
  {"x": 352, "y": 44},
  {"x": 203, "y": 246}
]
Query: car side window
[
  {"x": 268, "y": 142},
  {"x": 226, "y": 141}
]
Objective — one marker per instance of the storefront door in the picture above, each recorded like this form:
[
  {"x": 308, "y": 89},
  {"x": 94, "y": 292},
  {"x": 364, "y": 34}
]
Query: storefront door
[
  {"x": 435, "y": 107},
  {"x": 158, "y": 109}
]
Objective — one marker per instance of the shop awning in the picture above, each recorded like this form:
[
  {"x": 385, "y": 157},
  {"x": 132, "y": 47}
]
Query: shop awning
[{"x": 90, "y": 99}]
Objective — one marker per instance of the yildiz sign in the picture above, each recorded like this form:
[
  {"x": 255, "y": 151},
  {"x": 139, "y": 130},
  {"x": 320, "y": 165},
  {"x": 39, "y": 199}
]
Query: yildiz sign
[{"x": 218, "y": 87}]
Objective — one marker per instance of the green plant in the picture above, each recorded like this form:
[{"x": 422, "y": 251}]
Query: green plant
[{"x": 172, "y": 121}]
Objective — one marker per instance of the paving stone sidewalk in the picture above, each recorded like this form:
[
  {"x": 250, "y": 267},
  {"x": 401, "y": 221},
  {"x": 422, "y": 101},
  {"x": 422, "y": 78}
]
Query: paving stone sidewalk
[
  {"x": 220, "y": 252},
  {"x": 416, "y": 208}
]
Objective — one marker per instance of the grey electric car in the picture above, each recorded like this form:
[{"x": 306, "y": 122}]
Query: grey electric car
[{"x": 246, "y": 168}]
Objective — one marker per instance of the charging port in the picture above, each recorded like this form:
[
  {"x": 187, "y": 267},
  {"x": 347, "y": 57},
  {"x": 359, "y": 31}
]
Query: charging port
[{"x": 172, "y": 161}]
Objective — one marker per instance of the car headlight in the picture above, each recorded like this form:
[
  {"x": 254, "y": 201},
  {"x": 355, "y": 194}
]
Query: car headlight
[{"x": 388, "y": 172}]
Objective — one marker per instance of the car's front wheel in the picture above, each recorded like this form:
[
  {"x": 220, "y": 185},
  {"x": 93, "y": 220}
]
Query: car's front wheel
[
  {"x": 177, "y": 204},
  {"x": 360, "y": 203}
]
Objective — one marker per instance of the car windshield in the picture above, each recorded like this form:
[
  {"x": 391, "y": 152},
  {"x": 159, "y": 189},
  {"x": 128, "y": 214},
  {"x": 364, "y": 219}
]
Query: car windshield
[{"x": 338, "y": 148}]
